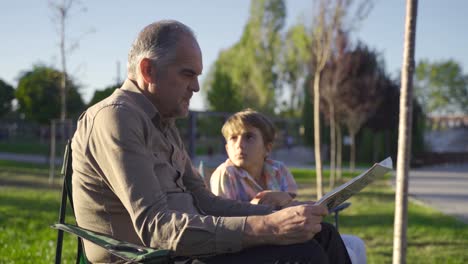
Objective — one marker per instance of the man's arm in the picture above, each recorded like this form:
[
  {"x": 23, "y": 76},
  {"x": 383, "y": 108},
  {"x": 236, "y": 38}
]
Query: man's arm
[{"x": 119, "y": 143}]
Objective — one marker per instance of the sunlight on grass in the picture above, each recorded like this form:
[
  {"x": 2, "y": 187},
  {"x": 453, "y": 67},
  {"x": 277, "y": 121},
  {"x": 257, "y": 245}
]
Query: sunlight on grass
[
  {"x": 432, "y": 236},
  {"x": 29, "y": 205},
  {"x": 25, "y": 235}
]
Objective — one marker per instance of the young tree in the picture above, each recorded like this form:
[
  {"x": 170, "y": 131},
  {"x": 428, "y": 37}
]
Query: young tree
[
  {"x": 361, "y": 93},
  {"x": 328, "y": 20},
  {"x": 7, "y": 94},
  {"x": 333, "y": 76},
  {"x": 404, "y": 135},
  {"x": 61, "y": 14}
]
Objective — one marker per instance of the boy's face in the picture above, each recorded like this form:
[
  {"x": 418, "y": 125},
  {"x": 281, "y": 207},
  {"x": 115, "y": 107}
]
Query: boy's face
[{"x": 246, "y": 148}]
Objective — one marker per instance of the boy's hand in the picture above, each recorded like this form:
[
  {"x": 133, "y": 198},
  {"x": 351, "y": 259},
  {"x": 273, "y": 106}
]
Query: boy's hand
[{"x": 273, "y": 198}]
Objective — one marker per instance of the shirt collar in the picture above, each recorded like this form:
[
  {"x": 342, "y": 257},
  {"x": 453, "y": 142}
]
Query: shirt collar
[{"x": 145, "y": 103}]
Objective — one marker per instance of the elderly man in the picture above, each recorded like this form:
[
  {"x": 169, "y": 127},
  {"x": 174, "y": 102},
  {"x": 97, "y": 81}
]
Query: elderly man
[{"x": 133, "y": 180}]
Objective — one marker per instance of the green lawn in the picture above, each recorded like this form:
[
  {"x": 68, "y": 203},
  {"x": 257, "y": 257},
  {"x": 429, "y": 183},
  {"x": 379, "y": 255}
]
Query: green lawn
[
  {"x": 28, "y": 205},
  {"x": 31, "y": 146},
  {"x": 432, "y": 236}
]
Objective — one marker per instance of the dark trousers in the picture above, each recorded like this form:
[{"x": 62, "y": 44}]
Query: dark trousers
[{"x": 325, "y": 247}]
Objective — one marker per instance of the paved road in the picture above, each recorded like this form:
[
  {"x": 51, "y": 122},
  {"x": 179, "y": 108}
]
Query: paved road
[
  {"x": 38, "y": 159},
  {"x": 444, "y": 188}
]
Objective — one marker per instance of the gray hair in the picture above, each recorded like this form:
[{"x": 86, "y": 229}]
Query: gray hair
[{"x": 157, "y": 41}]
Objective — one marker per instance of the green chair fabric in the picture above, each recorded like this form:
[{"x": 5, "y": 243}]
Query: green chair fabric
[{"x": 124, "y": 250}]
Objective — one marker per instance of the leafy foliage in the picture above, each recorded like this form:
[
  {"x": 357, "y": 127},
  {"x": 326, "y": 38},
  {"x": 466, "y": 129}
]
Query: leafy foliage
[
  {"x": 38, "y": 95},
  {"x": 247, "y": 71},
  {"x": 360, "y": 94},
  {"x": 6, "y": 96},
  {"x": 441, "y": 87},
  {"x": 293, "y": 66},
  {"x": 224, "y": 96},
  {"x": 101, "y": 94}
]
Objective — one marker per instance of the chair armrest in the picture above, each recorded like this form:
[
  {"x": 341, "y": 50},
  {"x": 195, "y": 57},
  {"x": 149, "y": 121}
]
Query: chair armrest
[
  {"x": 121, "y": 249},
  {"x": 340, "y": 208}
]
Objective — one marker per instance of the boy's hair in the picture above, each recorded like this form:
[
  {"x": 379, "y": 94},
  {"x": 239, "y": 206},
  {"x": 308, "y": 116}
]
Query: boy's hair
[{"x": 249, "y": 118}]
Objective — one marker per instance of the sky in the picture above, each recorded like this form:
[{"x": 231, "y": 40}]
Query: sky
[{"x": 105, "y": 29}]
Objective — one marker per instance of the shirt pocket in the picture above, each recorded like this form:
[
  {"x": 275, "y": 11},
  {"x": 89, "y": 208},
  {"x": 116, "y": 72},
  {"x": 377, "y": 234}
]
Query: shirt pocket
[{"x": 164, "y": 171}]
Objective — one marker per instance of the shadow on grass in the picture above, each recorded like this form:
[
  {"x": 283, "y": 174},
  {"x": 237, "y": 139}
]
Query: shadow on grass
[
  {"x": 27, "y": 184},
  {"x": 378, "y": 196},
  {"x": 29, "y": 205},
  {"x": 415, "y": 220},
  {"x": 437, "y": 243}
]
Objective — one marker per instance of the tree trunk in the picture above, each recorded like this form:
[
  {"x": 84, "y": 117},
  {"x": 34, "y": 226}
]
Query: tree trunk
[
  {"x": 332, "y": 144},
  {"x": 352, "y": 152},
  {"x": 339, "y": 152},
  {"x": 318, "y": 157},
  {"x": 63, "y": 82},
  {"x": 404, "y": 135}
]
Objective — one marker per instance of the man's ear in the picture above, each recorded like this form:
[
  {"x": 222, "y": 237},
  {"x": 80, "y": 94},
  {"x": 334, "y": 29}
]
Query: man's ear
[{"x": 146, "y": 69}]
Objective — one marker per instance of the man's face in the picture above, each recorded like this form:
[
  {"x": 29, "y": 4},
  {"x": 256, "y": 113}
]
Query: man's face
[
  {"x": 247, "y": 149},
  {"x": 176, "y": 82}
]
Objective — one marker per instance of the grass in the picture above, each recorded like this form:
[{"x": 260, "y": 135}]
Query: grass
[
  {"x": 30, "y": 146},
  {"x": 432, "y": 237},
  {"x": 28, "y": 205},
  {"x": 305, "y": 175},
  {"x": 25, "y": 217}
]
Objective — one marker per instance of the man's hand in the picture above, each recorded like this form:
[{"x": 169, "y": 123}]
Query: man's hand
[
  {"x": 291, "y": 225},
  {"x": 273, "y": 198}
]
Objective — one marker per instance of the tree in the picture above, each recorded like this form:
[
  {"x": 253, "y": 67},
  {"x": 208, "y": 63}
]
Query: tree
[
  {"x": 225, "y": 98},
  {"x": 441, "y": 87},
  {"x": 333, "y": 76},
  {"x": 61, "y": 12},
  {"x": 404, "y": 135},
  {"x": 328, "y": 20},
  {"x": 249, "y": 66},
  {"x": 361, "y": 93},
  {"x": 38, "y": 95},
  {"x": 101, "y": 94},
  {"x": 6, "y": 96},
  {"x": 385, "y": 118},
  {"x": 295, "y": 58}
]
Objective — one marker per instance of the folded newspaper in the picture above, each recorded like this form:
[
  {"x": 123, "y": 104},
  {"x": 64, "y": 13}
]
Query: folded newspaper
[{"x": 342, "y": 193}]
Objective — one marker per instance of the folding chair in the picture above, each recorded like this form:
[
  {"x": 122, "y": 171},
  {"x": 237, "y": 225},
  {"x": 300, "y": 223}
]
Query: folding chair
[{"x": 124, "y": 250}]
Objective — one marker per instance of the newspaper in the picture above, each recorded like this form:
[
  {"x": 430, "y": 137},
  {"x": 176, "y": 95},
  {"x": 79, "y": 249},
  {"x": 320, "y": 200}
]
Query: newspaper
[{"x": 345, "y": 191}]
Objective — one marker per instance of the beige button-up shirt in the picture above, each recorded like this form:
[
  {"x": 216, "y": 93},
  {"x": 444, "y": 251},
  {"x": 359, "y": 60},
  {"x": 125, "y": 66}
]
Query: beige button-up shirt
[{"x": 133, "y": 179}]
